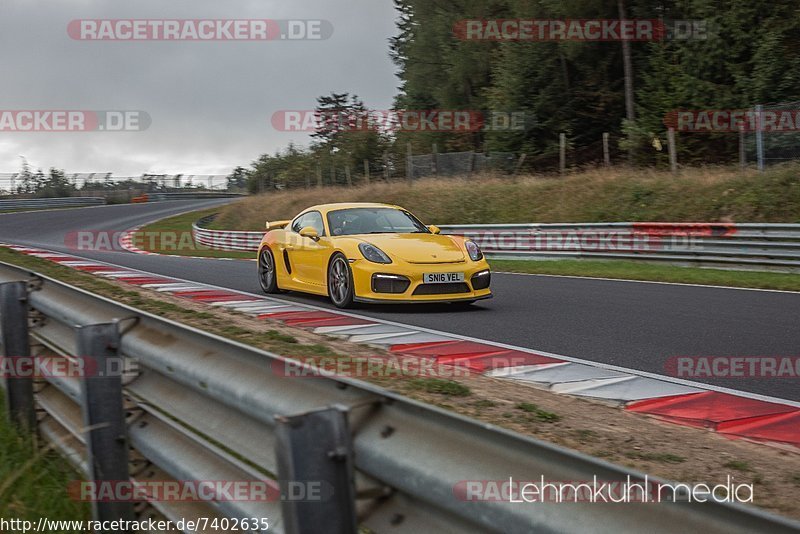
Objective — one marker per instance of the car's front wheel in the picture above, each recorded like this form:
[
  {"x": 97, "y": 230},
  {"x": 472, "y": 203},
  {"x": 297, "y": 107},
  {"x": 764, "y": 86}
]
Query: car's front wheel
[
  {"x": 267, "y": 273},
  {"x": 340, "y": 282}
]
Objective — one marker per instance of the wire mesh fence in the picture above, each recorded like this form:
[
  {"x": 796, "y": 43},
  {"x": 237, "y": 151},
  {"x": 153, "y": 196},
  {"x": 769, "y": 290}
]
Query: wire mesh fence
[
  {"x": 461, "y": 163},
  {"x": 776, "y": 137}
]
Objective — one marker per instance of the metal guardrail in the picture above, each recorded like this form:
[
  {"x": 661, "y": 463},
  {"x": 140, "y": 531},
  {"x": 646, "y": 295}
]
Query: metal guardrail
[
  {"x": 44, "y": 203},
  {"x": 225, "y": 239},
  {"x": 160, "y": 197},
  {"x": 732, "y": 246},
  {"x": 189, "y": 406}
]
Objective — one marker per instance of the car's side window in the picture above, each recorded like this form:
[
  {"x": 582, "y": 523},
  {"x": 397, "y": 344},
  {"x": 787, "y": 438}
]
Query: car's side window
[
  {"x": 299, "y": 223},
  {"x": 314, "y": 220}
]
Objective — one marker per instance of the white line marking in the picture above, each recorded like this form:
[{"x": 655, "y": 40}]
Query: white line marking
[{"x": 652, "y": 282}]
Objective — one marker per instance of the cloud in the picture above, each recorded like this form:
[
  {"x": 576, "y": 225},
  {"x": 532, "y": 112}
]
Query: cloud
[{"x": 210, "y": 102}]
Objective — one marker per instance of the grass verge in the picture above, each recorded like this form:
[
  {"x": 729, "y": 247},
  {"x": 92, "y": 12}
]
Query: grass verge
[
  {"x": 33, "y": 482},
  {"x": 629, "y": 270},
  {"x": 151, "y": 238}
]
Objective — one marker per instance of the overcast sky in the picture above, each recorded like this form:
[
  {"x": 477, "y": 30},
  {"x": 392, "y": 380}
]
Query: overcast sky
[{"x": 210, "y": 102}]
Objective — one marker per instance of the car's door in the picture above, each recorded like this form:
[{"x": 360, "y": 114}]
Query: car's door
[{"x": 309, "y": 257}]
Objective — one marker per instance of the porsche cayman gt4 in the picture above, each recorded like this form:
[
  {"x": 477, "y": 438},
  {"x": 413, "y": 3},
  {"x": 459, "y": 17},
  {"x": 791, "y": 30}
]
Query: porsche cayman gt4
[{"x": 370, "y": 253}]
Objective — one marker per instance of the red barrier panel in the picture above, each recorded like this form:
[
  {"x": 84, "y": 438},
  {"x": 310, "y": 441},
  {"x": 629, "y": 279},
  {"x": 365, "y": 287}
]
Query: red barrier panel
[
  {"x": 709, "y": 409},
  {"x": 686, "y": 229},
  {"x": 784, "y": 428}
]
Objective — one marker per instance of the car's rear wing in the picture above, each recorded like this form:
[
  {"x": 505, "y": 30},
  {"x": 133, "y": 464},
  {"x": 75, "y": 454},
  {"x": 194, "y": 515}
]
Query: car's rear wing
[{"x": 277, "y": 225}]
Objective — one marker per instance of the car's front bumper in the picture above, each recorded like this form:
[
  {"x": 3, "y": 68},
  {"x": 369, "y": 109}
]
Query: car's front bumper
[
  {"x": 363, "y": 272},
  {"x": 416, "y": 300}
]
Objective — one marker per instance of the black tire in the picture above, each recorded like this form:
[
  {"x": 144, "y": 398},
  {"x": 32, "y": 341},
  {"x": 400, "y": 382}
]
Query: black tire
[
  {"x": 267, "y": 272},
  {"x": 340, "y": 282}
]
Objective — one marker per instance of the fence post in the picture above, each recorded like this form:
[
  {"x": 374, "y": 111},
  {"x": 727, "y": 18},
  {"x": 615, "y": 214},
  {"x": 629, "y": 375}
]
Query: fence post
[
  {"x": 315, "y": 471},
  {"x": 606, "y": 151},
  {"x": 366, "y": 171},
  {"x": 562, "y": 153},
  {"x": 673, "y": 153},
  {"x": 759, "y": 137},
  {"x": 104, "y": 416},
  {"x": 319, "y": 175},
  {"x": 386, "y": 166},
  {"x": 435, "y": 159},
  {"x": 348, "y": 174},
  {"x": 520, "y": 163},
  {"x": 742, "y": 151},
  {"x": 409, "y": 163},
  {"x": 16, "y": 344}
]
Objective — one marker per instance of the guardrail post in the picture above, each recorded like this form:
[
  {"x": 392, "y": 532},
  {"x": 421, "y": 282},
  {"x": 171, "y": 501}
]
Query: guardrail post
[
  {"x": 16, "y": 344},
  {"x": 104, "y": 416},
  {"x": 673, "y": 150},
  {"x": 760, "y": 137},
  {"x": 315, "y": 469}
]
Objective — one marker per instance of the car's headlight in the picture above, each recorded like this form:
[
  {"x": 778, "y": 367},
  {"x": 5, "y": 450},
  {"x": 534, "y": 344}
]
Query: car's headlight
[
  {"x": 373, "y": 253},
  {"x": 474, "y": 250}
]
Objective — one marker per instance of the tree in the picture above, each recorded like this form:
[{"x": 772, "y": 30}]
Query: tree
[
  {"x": 237, "y": 180},
  {"x": 53, "y": 185}
]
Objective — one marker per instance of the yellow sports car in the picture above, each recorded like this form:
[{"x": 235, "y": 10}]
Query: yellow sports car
[{"x": 370, "y": 253}]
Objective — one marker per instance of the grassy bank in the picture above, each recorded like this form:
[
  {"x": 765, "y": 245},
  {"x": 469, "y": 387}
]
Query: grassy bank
[
  {"x": 33, "y": 484},
  {"x": 184, "y": 244},
  {"x": 705, "y": 194}
]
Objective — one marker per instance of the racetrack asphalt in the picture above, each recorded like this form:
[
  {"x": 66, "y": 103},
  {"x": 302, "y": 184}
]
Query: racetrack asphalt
[{"x": 627, "y": 324}]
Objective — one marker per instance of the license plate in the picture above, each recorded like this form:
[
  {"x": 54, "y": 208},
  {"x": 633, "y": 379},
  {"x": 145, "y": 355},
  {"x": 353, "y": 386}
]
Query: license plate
[{"x": 442, "y": 278}]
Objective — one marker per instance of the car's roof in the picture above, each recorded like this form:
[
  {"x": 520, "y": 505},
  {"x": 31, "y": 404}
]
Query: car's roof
[{"x": 325, "y": 208}]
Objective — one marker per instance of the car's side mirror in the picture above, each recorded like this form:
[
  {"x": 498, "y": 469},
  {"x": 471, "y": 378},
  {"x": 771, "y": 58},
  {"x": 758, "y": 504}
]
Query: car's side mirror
[
  {"x": 310, "y": 233},
  {"x": 434, "y": 229}
]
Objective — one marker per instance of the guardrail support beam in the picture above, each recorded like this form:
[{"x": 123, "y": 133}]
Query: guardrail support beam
[
  {"x": 104, "y": 415},
  {"x": 16, "y": 344},
  {"x": 315, "y": 469}
]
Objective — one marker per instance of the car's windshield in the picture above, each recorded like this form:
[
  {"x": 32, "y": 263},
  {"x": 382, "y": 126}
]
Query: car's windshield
[{"x": 358, "y": 221}]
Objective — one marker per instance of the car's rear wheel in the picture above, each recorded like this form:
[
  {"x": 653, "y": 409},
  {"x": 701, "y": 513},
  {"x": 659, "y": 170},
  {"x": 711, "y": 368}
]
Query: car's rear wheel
[
  {"x": 267, "y": 273},
  {"x": 340, "y": 282}
]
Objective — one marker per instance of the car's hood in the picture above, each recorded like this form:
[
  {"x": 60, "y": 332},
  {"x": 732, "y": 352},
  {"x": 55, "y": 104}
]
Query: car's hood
[{"x": 417, "y": 248}]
